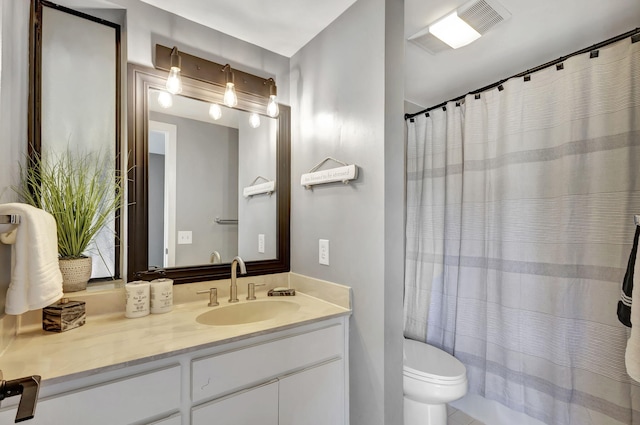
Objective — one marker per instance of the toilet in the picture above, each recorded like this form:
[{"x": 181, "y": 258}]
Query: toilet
[{"x": 431, "y": 379}]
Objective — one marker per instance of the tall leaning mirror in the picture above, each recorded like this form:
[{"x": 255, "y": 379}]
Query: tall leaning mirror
[
  {"x": 207, "y": 182},
  {"x": 74, "y": 101}
]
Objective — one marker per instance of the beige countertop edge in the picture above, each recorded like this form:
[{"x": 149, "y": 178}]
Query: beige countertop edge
[{"x": 97, "y": 346}]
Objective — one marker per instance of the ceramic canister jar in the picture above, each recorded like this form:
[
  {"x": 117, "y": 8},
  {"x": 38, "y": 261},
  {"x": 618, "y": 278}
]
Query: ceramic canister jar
[
  {"x": 137, "y": 299},
  {"x": 161, "y": 295}
]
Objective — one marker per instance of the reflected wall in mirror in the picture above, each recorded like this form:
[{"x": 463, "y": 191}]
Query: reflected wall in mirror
[
  {"x": 198, "y": 166},
  {"x": 74, "y": 99},
  {"x": 188, "y": 169}
]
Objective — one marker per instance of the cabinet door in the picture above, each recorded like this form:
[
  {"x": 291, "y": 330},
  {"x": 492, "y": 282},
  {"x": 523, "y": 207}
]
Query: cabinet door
[
  {"x": 172, "y": 420},
  {"x": 123, "y": 401},
  {"x": 255, "y": 406},
  {"x": 314, "y": 396}
]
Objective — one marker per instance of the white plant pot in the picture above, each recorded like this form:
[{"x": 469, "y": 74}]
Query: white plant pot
[{"x": 76, "y": 273}]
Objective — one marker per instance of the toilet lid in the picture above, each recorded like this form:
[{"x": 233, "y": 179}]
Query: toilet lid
[{"x": 429, "y": 361}]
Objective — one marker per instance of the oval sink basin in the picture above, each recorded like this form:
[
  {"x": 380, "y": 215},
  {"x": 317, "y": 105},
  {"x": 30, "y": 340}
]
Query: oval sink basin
[{"x": 249, "y": 312}]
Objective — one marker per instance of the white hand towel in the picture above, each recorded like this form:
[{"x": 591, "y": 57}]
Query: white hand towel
[
  {"x": 36, "y": 281},
  {"x": 632, "y": 354}
]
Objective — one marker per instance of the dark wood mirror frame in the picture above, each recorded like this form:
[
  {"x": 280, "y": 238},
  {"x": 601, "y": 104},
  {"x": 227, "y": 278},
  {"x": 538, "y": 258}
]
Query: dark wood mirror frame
[
  {"x": 140, "y": 81},
  {"x": 34, "y": 113}
]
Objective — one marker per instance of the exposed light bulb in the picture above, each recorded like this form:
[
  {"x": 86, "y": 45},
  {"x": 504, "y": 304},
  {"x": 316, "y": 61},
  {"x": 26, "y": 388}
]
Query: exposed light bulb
[
  {"x": 165, "y": 100},
  {"x": 272, "y": 106},
  {"x": 254, "y": 120},
  {"x": 215, "y": 111},
  {"x": 174, "y": 82},
  {"x": 230, "y": 97}
]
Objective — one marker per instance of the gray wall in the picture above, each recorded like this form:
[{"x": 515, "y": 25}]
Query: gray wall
[
  {"x": 257, "y": 214},
  {"x": 206, "y": 188},
  {"x": 339, "y": 109}
]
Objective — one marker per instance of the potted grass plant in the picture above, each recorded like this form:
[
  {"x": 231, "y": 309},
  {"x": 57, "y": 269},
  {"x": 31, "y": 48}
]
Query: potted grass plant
[{"x": 83, "y": 192}]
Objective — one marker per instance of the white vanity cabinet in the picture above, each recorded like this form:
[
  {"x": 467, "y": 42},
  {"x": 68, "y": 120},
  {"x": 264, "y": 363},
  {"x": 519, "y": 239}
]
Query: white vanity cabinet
[
  {"x": 313, "y": 396},
  {"x": 296, "y": 376},
  {"x": 295, "y": 380}
]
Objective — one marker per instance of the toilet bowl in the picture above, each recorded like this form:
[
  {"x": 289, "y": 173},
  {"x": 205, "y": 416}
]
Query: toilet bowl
[{"x": 431, "y": 379}]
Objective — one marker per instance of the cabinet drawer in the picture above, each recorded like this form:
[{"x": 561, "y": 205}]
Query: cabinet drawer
[
  {"x": 230, "y": 371},
  {"x": 118, "y": 402},
  {"x": 257, "y": 405}
]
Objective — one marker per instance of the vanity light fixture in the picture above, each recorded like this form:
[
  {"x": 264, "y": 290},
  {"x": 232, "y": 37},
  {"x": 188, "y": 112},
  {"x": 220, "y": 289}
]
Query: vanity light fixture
[
  {"x": 215, "y": 111},
  {"x": 272, "y": 106},
  {"x": 174, "y": 82},
  {"x": 230, "y": 96},
  {"x": 165, "y": 100},
  {"x": 254, "y": 120},
  {"x": 239, "y": 87}
]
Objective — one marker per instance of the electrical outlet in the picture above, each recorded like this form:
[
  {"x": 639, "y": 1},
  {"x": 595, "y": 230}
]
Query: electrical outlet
[
  {"x": 323, "y": 251},
  {"x": 261, "y": 243},
  {"x": 184, "y": 237}
]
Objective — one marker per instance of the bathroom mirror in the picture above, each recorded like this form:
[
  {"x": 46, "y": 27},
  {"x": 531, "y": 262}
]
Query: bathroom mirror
[
  {"x": 216, "y": 218},
  {"x": 74, "y": 99},
  {"x": 194, "y": 150}
]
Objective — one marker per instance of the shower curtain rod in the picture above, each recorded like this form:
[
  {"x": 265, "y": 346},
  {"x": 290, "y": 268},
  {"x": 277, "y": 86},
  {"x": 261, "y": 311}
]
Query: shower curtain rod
[{"x": 635, "y": 37}]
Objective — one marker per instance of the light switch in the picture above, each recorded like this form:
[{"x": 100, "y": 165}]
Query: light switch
[
  {"x": 184, "y": 237},
  {"x": 261, "y": 243},
  {"x": 323, "y": 250}
]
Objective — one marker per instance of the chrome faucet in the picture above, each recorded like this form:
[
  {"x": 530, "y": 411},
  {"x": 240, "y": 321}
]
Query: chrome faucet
[
  {"x": 233, "y": 290},
  {"x": 215, "y": 258}
]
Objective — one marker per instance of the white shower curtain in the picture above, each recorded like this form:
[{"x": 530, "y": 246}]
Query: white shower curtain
[{"x": 520, "y": 211}]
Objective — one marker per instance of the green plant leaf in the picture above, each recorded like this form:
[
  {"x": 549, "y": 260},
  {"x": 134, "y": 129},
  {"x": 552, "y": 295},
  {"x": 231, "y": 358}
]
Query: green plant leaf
[{"x": 81, "y": 190}]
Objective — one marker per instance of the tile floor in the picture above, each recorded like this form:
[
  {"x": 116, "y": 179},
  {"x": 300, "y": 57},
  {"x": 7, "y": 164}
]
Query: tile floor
[{"x": 458, "y": 417}]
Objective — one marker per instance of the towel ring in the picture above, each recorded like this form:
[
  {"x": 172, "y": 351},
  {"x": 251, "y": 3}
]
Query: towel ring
[{"x": 9, "y": 238}]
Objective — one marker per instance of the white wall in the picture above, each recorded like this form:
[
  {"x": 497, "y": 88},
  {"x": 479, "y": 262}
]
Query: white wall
[{"x": 339, "y": 109}]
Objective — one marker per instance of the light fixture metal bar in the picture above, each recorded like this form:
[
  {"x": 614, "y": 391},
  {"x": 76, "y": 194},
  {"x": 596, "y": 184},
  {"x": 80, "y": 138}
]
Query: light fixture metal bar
[{"x": 212, "y": 72}]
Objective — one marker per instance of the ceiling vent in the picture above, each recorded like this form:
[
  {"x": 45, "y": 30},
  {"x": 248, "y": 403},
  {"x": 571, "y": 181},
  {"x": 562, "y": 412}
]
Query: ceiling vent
[{"x": 481, "y": 15}]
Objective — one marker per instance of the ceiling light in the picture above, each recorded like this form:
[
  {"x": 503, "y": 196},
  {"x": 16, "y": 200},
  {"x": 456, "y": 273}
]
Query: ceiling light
[
  {"x": 454, "y": 31},
  {"x": 165, "y": 100},
  {"x": 174, "y": 82},
  {"x": 215, "y": 111},
  {"x": 461, "y": 26},
  {"x": 230, "y": 97},
  {"x": 254, "y": 120}
]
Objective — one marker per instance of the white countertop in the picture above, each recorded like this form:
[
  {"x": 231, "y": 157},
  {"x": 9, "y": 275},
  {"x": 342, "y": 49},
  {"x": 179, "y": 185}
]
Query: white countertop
[{"x": 111, "y": 341}]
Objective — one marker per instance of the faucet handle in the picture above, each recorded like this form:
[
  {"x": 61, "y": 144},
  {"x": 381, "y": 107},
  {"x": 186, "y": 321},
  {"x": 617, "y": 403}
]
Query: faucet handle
[
  {"x": 213, "y": 296},
  {"x": 251, "y": 290},
  {"x": 27, "y": 388}
]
